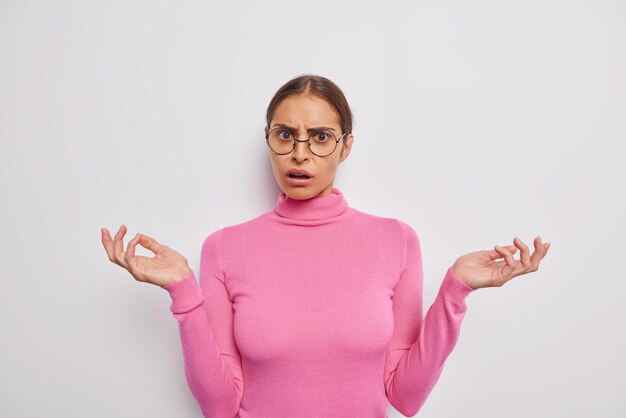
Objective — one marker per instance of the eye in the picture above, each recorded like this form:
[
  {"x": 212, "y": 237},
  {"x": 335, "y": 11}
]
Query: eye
[
  {"x": 284, "y": 134},
  {"x": 321, "y": 137}
]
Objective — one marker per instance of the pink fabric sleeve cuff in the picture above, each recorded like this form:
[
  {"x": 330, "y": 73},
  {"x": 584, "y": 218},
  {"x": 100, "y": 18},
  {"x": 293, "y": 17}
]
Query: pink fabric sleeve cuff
[
  {"x": 186, "y": 294},
  {"x": 454, "y": 289}
]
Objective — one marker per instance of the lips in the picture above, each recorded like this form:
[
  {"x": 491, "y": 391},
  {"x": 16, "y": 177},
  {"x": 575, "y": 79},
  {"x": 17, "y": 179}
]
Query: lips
[{"x": 298, "y": 173}]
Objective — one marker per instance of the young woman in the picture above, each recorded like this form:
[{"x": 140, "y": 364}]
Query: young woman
[{"x": 314, "y": 308}]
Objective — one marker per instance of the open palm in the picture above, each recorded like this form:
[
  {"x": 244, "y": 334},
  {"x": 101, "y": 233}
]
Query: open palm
[
  {"x": 164, "y": 268},
  {"x": 481, "y": 268}
]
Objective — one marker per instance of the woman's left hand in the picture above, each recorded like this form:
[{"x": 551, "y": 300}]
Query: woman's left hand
[{"x": 480, "y": 268}]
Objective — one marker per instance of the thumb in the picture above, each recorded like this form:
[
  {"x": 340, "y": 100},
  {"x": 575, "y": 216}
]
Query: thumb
[
  {"x": 150, "y": 243},
  {"x": 512, "y": 248},
  {"x": 494, "y": 255}
]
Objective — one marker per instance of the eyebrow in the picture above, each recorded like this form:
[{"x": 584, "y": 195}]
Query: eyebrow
[{"x": 316, "y": 128}]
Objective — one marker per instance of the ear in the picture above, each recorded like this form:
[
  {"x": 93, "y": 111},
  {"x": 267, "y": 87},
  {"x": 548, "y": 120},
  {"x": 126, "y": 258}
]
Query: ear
[
  {"x": 266, "y": 130},
  {"x": 346, "y": 147}
]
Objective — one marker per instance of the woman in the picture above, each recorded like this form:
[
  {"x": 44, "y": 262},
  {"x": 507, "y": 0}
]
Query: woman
[{"x": 314, "y": 308}]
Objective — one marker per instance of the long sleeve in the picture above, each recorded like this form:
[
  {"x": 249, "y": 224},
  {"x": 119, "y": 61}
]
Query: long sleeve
[
  {"x": 419, "y": 347},
  {"x": 205, "y": 317}
]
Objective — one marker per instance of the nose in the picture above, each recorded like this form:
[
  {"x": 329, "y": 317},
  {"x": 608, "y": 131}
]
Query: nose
[{"x": 301, "y": 151}]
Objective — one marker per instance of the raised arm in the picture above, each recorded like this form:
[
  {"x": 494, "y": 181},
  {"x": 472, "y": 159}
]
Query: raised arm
[
  {"x": 419, "y": 347},
  {"x": 205, "y": 317}
]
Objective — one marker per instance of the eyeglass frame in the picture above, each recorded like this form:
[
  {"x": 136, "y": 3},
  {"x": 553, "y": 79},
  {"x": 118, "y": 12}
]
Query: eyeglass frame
[{"x": 267, "y": 141}]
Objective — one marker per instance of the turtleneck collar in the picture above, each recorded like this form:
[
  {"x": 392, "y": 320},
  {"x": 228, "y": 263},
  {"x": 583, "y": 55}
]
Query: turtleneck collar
[{"x": 314, "y": 211}]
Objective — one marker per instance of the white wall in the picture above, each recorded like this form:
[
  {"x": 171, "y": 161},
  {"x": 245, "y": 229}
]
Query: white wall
[{"x": 474, "y": 122}]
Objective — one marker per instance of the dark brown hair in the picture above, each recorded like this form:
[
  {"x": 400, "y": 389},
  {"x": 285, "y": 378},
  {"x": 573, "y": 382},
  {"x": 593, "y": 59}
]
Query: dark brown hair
[{"x": 320, "y": 86}]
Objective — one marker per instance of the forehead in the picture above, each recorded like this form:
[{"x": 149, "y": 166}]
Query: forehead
[{"x": 308, "y": 110}]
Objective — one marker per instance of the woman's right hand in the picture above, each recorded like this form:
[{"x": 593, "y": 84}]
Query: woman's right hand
[{"x": 166, "y": 267}]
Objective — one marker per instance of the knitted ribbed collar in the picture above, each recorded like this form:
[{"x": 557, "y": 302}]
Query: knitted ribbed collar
[{"x": 313, "y": 211}]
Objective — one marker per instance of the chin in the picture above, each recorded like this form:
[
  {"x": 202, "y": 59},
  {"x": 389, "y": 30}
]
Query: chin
[{"x": 300, "y": 192}]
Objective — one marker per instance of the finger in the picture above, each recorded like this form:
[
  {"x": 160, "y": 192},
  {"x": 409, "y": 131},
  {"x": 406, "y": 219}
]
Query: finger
[
  {"x": 540, "y": 251},
  {"x": 507, "y": 255},
  {"x": 118, "y": 246},
  {"x": 546, "y": 247},
  {"x": 150, "y": 243},
  {"x": 107, "y": 242},
  {"x": 130, "y": 253},
  {"x": 524, "y": 253}
]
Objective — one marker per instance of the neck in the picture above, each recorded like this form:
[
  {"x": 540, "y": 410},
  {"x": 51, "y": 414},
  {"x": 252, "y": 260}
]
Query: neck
[{"x": 317, "y": 210}]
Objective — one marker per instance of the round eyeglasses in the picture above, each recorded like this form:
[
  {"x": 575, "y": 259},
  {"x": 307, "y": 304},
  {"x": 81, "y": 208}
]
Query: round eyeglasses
[{"x": 321, "y": 142}]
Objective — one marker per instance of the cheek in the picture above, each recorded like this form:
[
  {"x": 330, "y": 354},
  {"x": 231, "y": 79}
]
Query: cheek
[
  {"x": 332, "y": 163},
  {"x": 278, "y": 165},
  {"x": 329, "y": 167}
]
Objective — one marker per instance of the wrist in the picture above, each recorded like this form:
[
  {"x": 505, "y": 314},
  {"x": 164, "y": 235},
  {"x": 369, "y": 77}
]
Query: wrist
[
  {"x": 180, "y": 276},
  {"x": 183, "y": 274},
  {"x": 459, "y": 274}
]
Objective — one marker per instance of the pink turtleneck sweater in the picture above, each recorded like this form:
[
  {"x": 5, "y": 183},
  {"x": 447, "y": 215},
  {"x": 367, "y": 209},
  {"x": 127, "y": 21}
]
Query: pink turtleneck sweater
[{"x": 314, "y": 309}]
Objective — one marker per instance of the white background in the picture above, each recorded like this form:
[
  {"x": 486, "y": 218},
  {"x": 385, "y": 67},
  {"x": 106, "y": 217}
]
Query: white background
[{"x": 475, "y": 122}]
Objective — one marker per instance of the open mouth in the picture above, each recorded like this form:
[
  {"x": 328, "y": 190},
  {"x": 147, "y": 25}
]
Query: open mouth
[{"x": 298, "y": 176}]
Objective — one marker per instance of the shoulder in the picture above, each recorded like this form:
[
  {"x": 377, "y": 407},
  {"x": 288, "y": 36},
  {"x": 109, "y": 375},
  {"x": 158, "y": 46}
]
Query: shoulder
[
  {"x": 409, "y": 232},
  {"x": 398, "y": 228},
  {"x": 235, "y": 232},
  {"x": 246, "y": 226}
]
